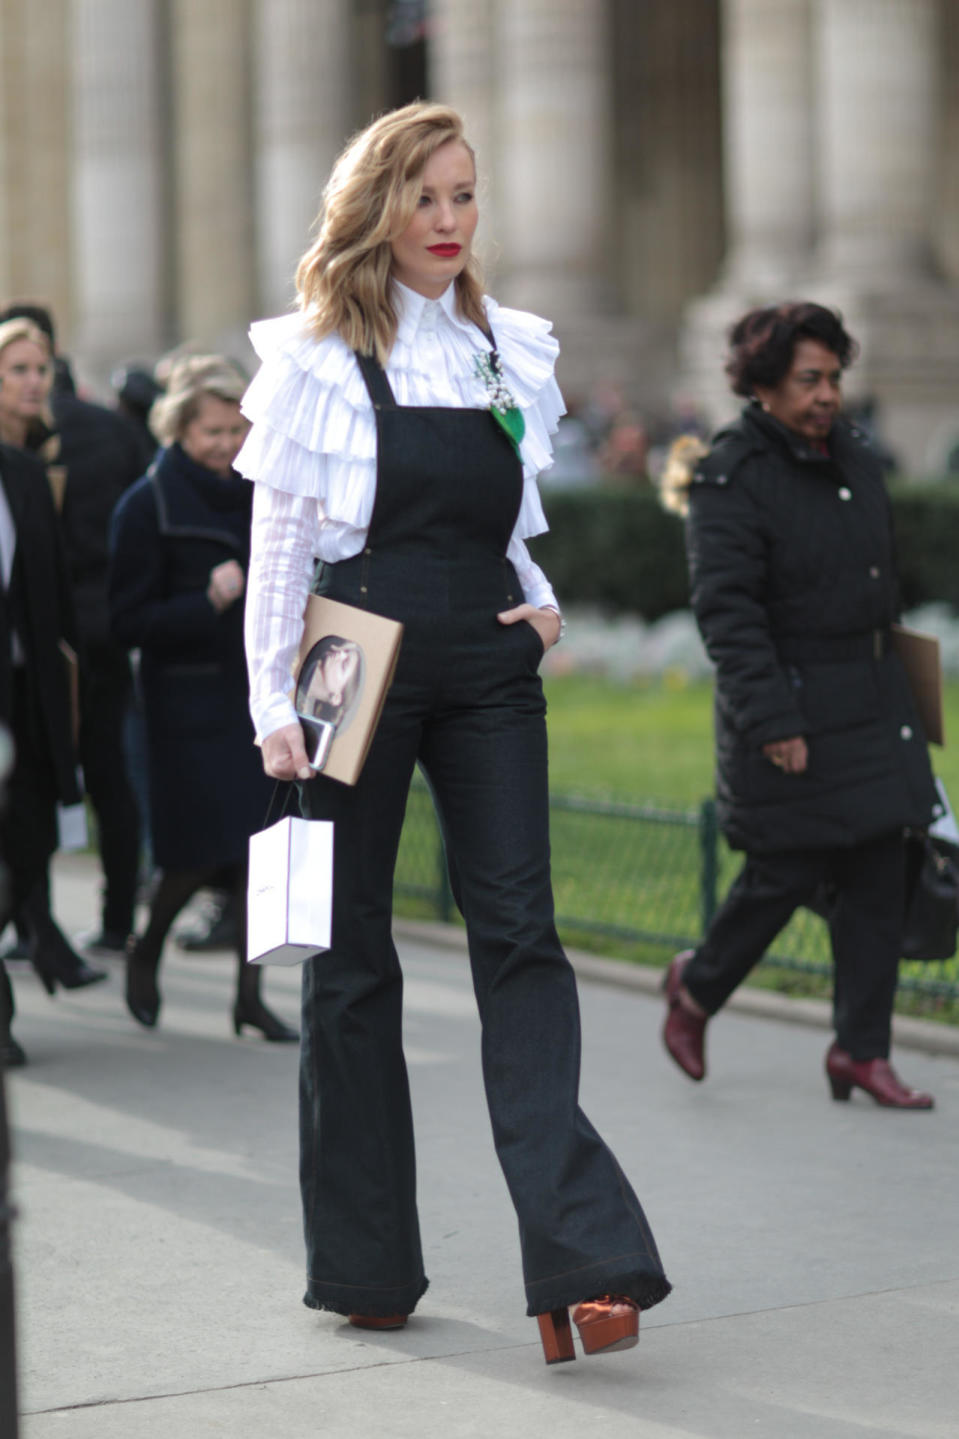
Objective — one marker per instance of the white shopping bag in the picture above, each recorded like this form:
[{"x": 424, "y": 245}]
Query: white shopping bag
[
  {"x": 290, "y": 892},
  {"x": 72, "y": 818},
  {"x": 72, "y": 826}
]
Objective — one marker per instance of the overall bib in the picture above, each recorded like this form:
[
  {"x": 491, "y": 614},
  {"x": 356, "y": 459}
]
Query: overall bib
[{"x": 467, "y": 704}]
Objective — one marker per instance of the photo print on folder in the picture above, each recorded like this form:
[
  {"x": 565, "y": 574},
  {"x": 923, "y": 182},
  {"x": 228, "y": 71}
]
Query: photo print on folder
[{"x": 328, "y": 691}]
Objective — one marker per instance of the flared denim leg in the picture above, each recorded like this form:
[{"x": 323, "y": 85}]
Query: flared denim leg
[
  {"x": 582, "y": 1229},
  {"x": 357, "y": 1159}
]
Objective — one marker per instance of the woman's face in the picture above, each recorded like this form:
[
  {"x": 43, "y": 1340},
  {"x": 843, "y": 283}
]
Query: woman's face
[
  {"x": 436, "y": 244},
  {"x": 331, "y": 676},
  {"x": 215, "y": 434},
  {"x": 26, "y": 374},
  {"x": 807, "y": 399}
]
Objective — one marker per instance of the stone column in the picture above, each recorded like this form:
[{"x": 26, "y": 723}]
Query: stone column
[
  {"x": 213, "y": 170},
  {"x": 877, "y": 116},
  {"x": 34, "y": 146},
  {"x": 462, "y": 73},
  {"x": 947, "y": 178},
  {"x": 301, "y": 120},
  {"x": 879, "y": 153},
  {"x": 768, "y": 143},
  {"x": 770, "y": 200},
  {"x": 117, "y": 181},
  {"x": 552, "y": 65}
]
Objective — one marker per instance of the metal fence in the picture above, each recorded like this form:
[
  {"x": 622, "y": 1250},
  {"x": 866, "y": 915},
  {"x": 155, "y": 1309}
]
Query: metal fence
[{"x": 634, "y": 879}]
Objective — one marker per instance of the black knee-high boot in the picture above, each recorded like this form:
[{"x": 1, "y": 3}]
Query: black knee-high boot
[
  {"x": 51, "y": 955},
  {"x": 175, "y": 890},
  {"x": 248, "y": 1008}
]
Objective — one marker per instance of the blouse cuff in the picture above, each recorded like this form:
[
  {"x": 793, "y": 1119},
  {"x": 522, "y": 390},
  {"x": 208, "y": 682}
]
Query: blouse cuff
[{"x": 537, "y": 589}]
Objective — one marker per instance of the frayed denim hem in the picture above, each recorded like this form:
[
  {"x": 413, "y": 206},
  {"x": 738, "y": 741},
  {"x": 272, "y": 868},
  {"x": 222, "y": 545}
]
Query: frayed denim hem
[{"x": 349, "y": 1299}]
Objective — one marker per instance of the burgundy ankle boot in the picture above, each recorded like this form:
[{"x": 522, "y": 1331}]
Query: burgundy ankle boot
[
  {"x": 684, "y": 1033},
  {"x": 876, "y": 1077}
]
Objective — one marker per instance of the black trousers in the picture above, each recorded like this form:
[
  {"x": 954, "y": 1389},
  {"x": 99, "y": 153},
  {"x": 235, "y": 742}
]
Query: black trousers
[
  {"x": 865, "y": 932},
  {"x": 466, "y": 703},
  {"x": 28, "y": 822},
  {"x": 106, "y": 695}
]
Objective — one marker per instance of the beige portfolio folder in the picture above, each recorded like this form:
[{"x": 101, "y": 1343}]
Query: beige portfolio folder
[
  {"x": 922, "y": 662},
  {"x": 343, "y": 671}
]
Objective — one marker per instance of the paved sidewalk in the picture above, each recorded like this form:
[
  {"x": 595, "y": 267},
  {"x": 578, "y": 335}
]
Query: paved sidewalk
[{"x": 159, "y": 1268}]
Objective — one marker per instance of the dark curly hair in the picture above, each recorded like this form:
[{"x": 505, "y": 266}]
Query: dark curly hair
[{"x": 763, "y": 342}]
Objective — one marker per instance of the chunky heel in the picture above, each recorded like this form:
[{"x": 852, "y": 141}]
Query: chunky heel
[
  {"x": 876, "y": 1077},
  {"x": 607, "y": 1324},
  {"x": 556, "y": 1336}
]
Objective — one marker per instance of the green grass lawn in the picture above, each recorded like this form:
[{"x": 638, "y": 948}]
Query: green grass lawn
[
  {"x": 654, "y": 743},
  {"x": 640, "y": 743}
]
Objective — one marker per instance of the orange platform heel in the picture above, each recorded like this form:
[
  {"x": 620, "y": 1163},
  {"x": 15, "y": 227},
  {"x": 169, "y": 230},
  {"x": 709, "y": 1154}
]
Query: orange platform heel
[
  {"x": 378, "y": 1321},
  {"x": 556, "y": 1336},
  {"x": 608, "y": 1323}
]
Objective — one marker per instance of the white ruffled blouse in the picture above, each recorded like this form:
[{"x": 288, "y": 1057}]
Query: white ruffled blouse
[{"x": 312, "y": 453}]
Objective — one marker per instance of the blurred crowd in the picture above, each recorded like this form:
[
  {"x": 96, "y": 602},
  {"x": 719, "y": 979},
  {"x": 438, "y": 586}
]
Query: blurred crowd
[
  {"x": 605, "y": 439},
  {"x": 124, "y": 540}
]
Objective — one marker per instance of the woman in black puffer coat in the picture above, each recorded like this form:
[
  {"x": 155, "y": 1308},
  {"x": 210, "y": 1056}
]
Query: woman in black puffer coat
[
  {"x": 821, "y": 759},
  {"x": 180, "y": 554}
]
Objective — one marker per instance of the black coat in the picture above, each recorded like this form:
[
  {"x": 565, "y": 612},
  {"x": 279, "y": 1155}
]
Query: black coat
[
  {"x": 44, "y": 616},
  {"x": 208, "y": 792},
  {"x": 103, "y": 456},
  {"x": 794, "y": 588}
]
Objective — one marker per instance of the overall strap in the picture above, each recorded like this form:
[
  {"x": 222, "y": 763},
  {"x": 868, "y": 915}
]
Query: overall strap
[{"x": 374, "y": 377}]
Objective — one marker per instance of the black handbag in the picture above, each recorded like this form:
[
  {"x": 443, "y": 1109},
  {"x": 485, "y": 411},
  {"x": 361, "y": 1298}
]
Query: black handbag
[
  {"x": 931, "y": 919},
  {"x": 932, "y": 898}
]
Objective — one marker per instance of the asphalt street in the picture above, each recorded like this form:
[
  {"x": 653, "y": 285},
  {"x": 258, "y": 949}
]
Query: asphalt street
[{"x": 812, "y": 1245}]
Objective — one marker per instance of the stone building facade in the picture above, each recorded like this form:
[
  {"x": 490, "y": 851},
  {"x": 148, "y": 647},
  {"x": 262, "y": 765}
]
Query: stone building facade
[{"x": 647, "y": 170}]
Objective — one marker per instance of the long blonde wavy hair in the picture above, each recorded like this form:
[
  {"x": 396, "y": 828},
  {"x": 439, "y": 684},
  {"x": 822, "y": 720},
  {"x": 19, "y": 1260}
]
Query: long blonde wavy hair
[{"x": 343, "y": 280}]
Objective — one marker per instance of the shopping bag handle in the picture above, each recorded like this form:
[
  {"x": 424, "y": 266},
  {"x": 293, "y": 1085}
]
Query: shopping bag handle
[{"x": 283, "y": 789}]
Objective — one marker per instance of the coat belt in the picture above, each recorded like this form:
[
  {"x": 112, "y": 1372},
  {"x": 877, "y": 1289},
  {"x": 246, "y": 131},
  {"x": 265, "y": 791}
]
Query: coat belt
[{"x": 833, "y": 649}]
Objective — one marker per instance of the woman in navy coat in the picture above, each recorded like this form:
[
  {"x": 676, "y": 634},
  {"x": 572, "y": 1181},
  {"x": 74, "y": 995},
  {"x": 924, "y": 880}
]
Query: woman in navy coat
[{"x": 180, "y": 551}]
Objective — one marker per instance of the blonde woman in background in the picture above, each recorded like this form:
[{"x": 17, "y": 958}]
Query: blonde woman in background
[
  {"x": 180, "y": 550},
  {"x": 26, "y": 424}
]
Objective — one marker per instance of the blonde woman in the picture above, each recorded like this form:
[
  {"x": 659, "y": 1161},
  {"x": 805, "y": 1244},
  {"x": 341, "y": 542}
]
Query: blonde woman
[
  {"x": 399, "y": 423},
  {"x": 180, "y": 551},
  {"x": 38, "y": 607},
  {"x": 26, "y": 378}
]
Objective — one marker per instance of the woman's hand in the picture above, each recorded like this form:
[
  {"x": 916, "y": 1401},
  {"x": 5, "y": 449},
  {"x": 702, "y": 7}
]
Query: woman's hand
[
  {"x": 789, "y": 755},
  {"x": 545, "y": 622},
  {"x": 284, "y": 754},
  {"x": 227, "y": 583}
]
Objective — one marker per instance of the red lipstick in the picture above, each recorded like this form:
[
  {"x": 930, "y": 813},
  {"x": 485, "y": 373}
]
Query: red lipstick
[{"x": 445, "y": 252}]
